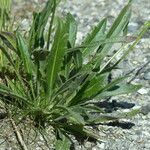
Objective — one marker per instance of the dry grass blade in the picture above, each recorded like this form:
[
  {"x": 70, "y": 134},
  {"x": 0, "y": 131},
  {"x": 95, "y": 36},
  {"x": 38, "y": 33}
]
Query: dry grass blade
[{"x": 18, "y": 135}]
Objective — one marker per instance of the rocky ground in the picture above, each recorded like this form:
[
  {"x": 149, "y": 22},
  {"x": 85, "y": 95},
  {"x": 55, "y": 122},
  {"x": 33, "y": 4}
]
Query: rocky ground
[{"x": 131, "y": 134}]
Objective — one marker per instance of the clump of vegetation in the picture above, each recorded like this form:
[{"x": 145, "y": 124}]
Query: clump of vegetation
[{"x": 52, "y": 81}]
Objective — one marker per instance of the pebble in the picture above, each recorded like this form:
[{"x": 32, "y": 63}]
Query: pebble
[
  {"x": 147, "y": 76},
  {"x": 145, "y": 109},
  {"x": 133, "y": 27},
  {"x": 147, "y": 145},
  {"x": 88, "y": 145},
  {"x": 101, "y": 145},
  {"x": 142, "y": 91}
]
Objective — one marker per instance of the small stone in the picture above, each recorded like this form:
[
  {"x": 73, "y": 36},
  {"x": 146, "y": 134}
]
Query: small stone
[
  {"x": 25, "y": 24},
  {"x": 101, "y": 145},
  {"x": 88, "y": 145},
  {"x": 147, "y": 76},
  {"x": 146, "y": 133},
  {"x": 145, "y": 109},
  {"x": 142, "y": 91},
  {"x": 134, "y": 137},
  {"x": 138, "y": 132},
  {"x": 133, "y": 27},
  {"x": 147, "y": 146}
]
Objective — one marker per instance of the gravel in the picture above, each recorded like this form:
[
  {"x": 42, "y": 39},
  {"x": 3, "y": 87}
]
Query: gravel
[
  {"x": 147, "y": 75},
  {"x": 88, "y": 13}
]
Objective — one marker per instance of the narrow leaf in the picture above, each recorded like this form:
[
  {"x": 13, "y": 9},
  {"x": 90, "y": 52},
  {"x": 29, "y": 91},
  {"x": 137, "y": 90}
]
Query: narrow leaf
[
  {"x": 75, "y": 117},
  {"x": 9, "y": 39},
  {"x": 24, "y": 54},
  {"x": 78, "y": 59},
  {"x": 101, "y": 118},
  {"x": 5, "y": 91},
  {"x": 55, "y": 57},
  {"x": 117, "y": 28},
  {"x": 5, "y": 52},
  {"x": 72, "y": 26},
  {"x": 142, "y": 31},
  {"x": 89, "y": 89},
  {"x": 36, "y": 37},
  {"x": 63, "y": 144},
  {"x": 96, "y": 34},
  {"x": 119, "y": 89}
]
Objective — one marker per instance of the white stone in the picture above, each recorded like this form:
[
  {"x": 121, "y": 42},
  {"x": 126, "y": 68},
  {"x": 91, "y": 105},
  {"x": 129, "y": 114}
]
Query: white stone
[
  {"x": 101, "y": 145},
  {"x": 25, "y": 24},
  {"x": 142, "y": 91}
]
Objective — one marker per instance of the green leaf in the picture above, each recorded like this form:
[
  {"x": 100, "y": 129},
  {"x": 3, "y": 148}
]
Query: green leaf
[
  {"x": 69, "y": 89},
  {"x": 113, "y": 83},
  {"x": 142, "y": 31},
  {"x": 63, "y": 144},
  {"x": 129, "y": 114},
  {"x": 40, "y": 54},
  {"x": 5, "y": 52},
  {"x": 81, "y": 132},
  {"x": 72, "y": 31},
  {"x": 119, "y": 89},
  {"x": 24, "y": 54},
  {"x": 5, "y": 7},
  {"x": 90, "y": 89},
  {"x": 117, "y": 28},
  {"x": 72, "y": 26},
  {"x": 66, "y": 85},
  {"x": 93, "y": 88},
  {"x": 56, "y": 56},
  {"x": 120, "y": 22},
  {"x": 86, "y": 110},
  {"x": 112, "y": 40},
  {"x": 96, "y": 34},
  {"x": 78, "y": 59},
  {"x": 93, "y": 108},
  {"x": 9, "y": 39},
  {"x": 75, "y": 117},
  {"x": 95, "y": 85},
  {"x": 5, "y": 91},
  {"x": 10, "y": 59},
  {"x": 101, "y": 118},
  {"x": 15, "y": 86},
  {"x": 36, "y": 37},
  {"x": 106, "y": 118},
  {"x": 90, "y": 65}
]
